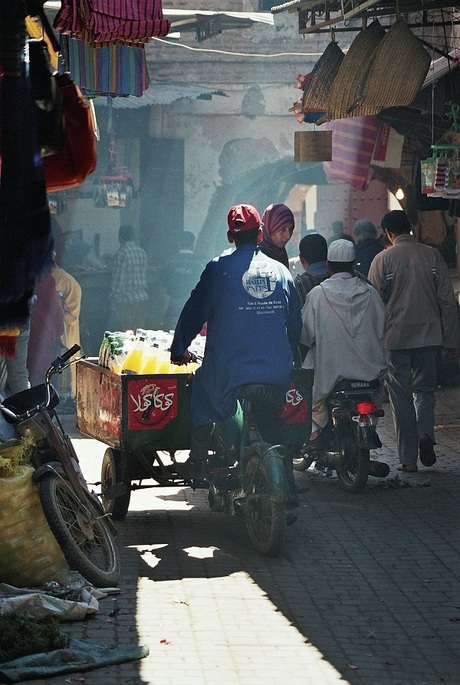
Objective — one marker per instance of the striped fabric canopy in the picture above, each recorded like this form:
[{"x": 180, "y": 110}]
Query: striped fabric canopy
[{"x": 112, "y": 21}]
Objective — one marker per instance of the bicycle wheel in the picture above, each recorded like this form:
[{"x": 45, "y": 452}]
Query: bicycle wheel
[
  {"x": 111, "y": 475},
  {"x": 82, "y": 534},
  {"x": 265, "y": 515},
  {"x": 353, "y": 472}
]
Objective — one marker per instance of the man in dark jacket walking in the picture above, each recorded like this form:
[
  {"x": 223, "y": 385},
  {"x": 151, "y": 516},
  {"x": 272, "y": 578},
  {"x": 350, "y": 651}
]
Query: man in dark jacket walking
[{"x": 415, "y": 285}]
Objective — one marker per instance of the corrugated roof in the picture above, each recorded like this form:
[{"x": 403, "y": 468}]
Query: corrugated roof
[{"x": 159, "y": 94}]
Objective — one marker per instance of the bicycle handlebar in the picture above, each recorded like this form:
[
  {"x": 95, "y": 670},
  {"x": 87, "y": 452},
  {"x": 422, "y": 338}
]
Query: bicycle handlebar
[
  {"x": 57, "y": 366},
  {"x": 61, "y": 360}
]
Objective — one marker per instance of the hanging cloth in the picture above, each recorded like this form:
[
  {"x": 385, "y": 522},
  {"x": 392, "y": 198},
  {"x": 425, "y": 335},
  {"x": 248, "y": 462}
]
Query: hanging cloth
[
  {"x": 25, "y": 230},
  {"x": 353, "y": 144},
  {"x": 108, "y": 70},
  {"x": 112, "y": 21}
]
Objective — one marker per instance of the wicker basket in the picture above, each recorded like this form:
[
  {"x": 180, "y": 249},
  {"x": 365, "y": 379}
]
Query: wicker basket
[
  {"x": 318, "y": 88},
  {"x": 397, "y": 72},
  {"x": 351, "y": 77},
  {"x": 29, "y": 552}
]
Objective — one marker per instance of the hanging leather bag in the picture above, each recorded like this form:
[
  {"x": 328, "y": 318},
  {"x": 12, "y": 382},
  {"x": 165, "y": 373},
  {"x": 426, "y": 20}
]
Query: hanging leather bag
[{"x": 70, "y": 167}]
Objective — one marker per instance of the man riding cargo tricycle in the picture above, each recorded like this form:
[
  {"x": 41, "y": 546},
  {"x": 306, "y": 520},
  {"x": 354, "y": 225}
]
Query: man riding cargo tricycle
[{"x": 251, "y": 310}]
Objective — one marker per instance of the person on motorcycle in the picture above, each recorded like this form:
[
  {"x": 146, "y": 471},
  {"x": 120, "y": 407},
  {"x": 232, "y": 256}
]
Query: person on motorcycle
[
  {"x": 343, "y": 327},
  {"x": 252, "y": 311}
]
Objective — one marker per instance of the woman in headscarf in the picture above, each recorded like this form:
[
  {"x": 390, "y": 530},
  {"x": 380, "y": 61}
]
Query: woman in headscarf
[{"x": 278, "y": 226}]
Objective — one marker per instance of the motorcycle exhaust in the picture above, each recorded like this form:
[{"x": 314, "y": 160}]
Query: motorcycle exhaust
[{"x": 331, "y": 460}]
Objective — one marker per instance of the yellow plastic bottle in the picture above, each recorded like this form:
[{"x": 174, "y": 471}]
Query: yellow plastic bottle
[
  {"x": 134, "y": 359},
  {"x": 150, "y": 365},
  {"x": 164, "y": 364}
]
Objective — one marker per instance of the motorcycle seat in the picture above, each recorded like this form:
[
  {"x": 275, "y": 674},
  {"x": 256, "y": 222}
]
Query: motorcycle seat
[
  {"x": 26, "y": 400},
  {"x": 259, "y": 392}
]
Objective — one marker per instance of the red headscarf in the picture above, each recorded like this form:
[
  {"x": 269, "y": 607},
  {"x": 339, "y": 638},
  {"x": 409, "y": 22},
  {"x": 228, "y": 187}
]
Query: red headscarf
[{"x": 275, "y": 217}]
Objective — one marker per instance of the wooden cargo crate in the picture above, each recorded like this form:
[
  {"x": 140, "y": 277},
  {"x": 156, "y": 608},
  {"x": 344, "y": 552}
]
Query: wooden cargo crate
[{"x": 132, "y": 412}]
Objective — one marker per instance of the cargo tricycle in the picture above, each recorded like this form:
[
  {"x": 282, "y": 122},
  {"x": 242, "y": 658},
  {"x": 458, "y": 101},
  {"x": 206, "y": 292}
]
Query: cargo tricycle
[{"x": 143, "y": 420}]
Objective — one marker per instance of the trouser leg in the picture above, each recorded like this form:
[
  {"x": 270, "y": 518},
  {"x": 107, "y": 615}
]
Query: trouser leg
[
  {"x": 17, "y": 374},
  {"x": 287, "y": 459},
  {"x": 200, "y": 440},
  {"x": 399, "y": 384},
  {"x": 320, "y": 415},
  {"x": 423, "y": 388}
]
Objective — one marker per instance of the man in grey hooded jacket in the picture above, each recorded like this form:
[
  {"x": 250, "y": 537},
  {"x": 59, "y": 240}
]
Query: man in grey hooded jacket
[{"x": 343, "y": 327}]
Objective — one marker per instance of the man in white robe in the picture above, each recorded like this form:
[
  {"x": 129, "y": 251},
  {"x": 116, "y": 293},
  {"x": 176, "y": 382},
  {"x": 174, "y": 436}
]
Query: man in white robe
[{"x": 343, "y": 326}]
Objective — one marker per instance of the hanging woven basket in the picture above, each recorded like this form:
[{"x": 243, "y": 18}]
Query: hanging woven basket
[
  {"x": 397, "y": 73},
  {"x": 351, "y": 77},
  {"x": 317, "y": 91},
  {"x": 29, "y": 553}
]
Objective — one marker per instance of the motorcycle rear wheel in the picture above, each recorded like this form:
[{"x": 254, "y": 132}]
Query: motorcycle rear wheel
[
  {"x": 353, "y": 472},
  {"x": 82, "y": 534},
  {"x": 111, "y": 475},
  {"x": 265, "y": 516}
]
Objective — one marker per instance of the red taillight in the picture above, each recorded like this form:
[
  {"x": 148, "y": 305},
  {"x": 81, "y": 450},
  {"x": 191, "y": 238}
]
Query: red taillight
[{"x": 366, "y": 408}]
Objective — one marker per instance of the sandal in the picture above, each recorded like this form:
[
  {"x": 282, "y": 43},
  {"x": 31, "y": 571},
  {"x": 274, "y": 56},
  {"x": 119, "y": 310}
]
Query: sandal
[{"x": 407, "y": 468}]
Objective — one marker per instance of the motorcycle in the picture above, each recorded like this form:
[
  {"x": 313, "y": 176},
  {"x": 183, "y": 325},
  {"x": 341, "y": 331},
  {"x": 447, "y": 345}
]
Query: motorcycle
[
  {"x": 75, "y": 515},
  {"x": 345, "y": 443},
  {"x": 247, "y": 475}
]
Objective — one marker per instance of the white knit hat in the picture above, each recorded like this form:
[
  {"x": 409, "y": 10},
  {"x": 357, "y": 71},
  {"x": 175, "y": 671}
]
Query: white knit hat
[{"x": 341, "y": 251}]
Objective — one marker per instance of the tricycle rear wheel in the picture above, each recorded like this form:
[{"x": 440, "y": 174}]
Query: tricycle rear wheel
[
  {"x": 111, "y": 475},
  {"x": 265, "y": 515}
]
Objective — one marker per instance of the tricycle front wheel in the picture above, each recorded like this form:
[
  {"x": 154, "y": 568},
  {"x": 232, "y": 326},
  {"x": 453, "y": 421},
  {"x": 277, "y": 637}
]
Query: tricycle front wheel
[{"x": 111, "y": 475}]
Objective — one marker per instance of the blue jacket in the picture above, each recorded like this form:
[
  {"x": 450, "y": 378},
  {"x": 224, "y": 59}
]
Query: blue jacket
[{"x": 252, "y": 311}]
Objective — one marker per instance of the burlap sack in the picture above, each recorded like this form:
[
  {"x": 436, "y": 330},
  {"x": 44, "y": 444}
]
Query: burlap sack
[{"x": 29, "y": 553}]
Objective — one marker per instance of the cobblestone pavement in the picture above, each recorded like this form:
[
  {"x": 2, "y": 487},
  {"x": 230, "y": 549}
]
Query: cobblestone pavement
[{"x": 366, "y": 591}]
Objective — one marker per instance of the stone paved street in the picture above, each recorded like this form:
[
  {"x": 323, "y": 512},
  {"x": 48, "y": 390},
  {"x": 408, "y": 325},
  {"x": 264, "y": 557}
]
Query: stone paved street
[{"x": 366, "y": 591}]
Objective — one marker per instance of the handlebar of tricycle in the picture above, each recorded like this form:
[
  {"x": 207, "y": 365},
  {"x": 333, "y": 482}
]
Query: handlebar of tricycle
[
  {"x": 186, "y": 358},
  {"x": 58, "y": 364}
]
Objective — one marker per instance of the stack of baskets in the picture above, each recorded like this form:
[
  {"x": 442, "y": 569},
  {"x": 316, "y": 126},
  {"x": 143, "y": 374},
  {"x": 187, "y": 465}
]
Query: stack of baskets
[{"x": 380, "y": 70}]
